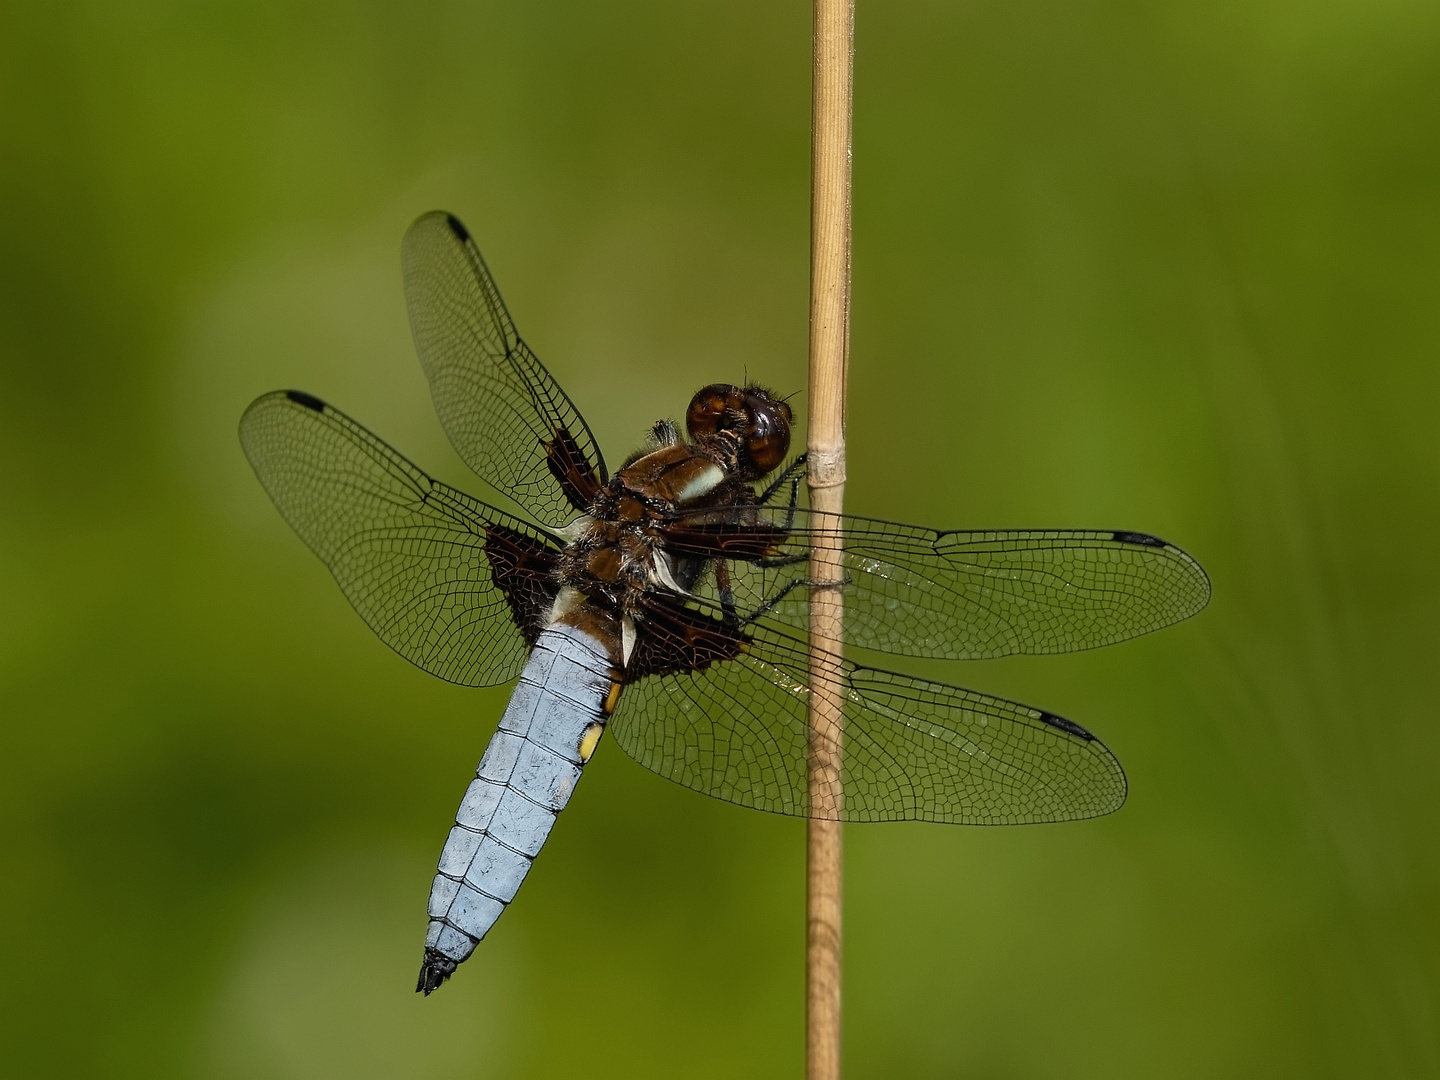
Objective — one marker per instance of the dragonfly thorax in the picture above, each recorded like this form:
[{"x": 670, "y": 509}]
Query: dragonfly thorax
[{"x": 618, "y": 554}]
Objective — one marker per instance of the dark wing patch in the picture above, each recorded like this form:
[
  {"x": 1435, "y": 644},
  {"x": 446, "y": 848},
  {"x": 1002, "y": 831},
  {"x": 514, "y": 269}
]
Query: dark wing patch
[
  {"x": 524, "y": 570},
  {"x": 436, "y": 574},
  {"x": 671, "y": 638},
  {"x": 571, "y": 470},
  {"x": 310, "y": 401},
  {"x": 1143, "y": 539},
  {"x": 1065, "y": 725},
  {"x": 457, "y": 227},
  {"x": 744, "y": 540},
  {"x": 501, "y": 409}
]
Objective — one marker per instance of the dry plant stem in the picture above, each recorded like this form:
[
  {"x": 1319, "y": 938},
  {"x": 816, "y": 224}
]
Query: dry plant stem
[{"x": 829, "y": 349}]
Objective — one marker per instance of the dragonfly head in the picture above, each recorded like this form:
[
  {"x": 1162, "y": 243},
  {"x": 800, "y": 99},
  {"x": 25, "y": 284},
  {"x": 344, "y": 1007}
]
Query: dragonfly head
[{"x": 751, "y": 418}]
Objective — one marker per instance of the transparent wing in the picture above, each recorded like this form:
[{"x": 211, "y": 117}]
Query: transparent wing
[
  {"x": 948, "y": 595},
  {"x": 504, "y": 413},
  {"x": 913, "y": 749},
  {"x": 418, "y": 560}
]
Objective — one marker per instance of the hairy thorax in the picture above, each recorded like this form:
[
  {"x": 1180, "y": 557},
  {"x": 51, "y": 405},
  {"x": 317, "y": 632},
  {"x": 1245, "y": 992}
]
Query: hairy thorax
[{"x": 616, "y": 553}]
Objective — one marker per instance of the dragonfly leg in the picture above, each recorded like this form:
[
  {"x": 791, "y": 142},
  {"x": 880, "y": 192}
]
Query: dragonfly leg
[
  {"x": 728, "y": 610},
  {"x": 781, "y": 560},
  {"x": 792, "y": 476},
  {"x": 794, "y": 583}
]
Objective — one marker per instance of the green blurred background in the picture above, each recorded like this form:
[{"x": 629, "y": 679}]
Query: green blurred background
[{"x": 1168, "y": 266}]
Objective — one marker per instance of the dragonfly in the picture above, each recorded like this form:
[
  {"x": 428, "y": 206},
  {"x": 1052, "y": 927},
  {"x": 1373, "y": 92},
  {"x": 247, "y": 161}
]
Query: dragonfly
[{"x": 668, "y": 603}]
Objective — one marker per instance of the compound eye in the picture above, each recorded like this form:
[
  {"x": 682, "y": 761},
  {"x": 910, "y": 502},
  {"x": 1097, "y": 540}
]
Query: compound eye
[
  {"x": 707, "y": 409},
  {"x": 767, "y": 440}
]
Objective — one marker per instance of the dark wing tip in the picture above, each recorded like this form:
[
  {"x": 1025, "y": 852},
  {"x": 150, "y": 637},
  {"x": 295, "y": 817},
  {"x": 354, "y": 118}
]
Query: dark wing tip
[
  {"x": 1199, "y": 577},
  {"x": 1143, "y": 539},
  {"x": 457, "y": 227},
  {"x": 434, "y": 970},
  {"x": 1067, "y": 726},
  {"x": 310, "y": 401}
]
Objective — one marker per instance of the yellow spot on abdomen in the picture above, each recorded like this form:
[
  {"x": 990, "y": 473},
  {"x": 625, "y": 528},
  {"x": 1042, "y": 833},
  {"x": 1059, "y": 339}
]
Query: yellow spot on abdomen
[
  {"x": 589, "y": 740},
  {"x": 613, "y": 697}
]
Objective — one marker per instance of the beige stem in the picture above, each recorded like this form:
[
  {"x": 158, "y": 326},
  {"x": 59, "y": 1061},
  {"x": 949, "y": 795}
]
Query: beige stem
[{"x": 829, "y": 349}]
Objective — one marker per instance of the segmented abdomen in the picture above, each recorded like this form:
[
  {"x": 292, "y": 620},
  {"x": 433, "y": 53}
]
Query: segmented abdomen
[{"x": 525, "y": 779}]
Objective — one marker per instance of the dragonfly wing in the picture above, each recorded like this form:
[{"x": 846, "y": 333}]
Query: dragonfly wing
[
  {"x": 914, "y": 750},
  {"x": 951, "y": 595},
  {"x": 505, "y": 414},
  {"x": 454, "y": 586}
]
